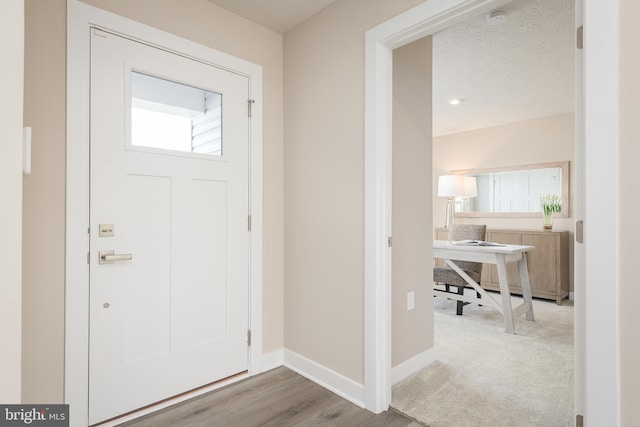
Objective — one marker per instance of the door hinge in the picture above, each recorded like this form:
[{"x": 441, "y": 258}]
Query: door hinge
[
  {"x": 88, "y": 258},
  {"x": 249, "y": 223},
  {"x": 250, "y": 102},
  {"x": 580, "y": 37},
  {"x": 249, "y": 337},
  {"x": 579, "y": 233},
  {"x": 389, "y": 241}
]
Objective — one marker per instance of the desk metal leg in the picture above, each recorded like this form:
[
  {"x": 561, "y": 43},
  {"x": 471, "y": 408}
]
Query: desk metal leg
[
  {"x": 485, "y": 296},
  {"x": 505, "y": 294}
]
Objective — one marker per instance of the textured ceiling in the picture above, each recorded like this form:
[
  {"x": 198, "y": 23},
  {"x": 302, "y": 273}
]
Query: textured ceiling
[
  {"x": 278, "y": 15},
  {"x": 518, "y": 70},
  {"x": 521, "y": 69}
]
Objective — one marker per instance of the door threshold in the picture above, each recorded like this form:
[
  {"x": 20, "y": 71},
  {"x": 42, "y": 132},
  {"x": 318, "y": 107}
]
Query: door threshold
[{"x": 146, "y": 410}]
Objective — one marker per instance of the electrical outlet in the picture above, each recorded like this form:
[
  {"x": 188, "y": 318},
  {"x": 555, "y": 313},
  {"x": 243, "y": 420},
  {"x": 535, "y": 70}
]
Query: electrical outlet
[{"x": 411, "y": 300}]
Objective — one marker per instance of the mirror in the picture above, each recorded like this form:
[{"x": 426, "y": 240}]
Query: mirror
[{"x": 515, "y": 191}]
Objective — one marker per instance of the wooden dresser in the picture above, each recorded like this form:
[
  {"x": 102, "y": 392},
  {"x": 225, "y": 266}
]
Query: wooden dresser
[{"x": 548, "y": 263}]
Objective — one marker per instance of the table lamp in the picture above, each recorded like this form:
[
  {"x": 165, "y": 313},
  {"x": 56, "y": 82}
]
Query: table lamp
[{"x": 451, "y": 186}]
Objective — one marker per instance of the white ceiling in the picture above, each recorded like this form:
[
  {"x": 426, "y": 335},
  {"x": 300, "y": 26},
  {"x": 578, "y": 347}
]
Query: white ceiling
[
  {"x": 520, "y": 69},
  {"x": 278, "y": 15}
]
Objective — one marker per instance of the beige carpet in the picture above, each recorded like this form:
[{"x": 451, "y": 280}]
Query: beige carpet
[{"x": 486, "y": 377}]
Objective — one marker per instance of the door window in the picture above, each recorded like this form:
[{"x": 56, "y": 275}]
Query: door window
[{"x": 173, "y": 116}]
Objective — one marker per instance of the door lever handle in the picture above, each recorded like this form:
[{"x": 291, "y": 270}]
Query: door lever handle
[{"x": 108, "y": 257}]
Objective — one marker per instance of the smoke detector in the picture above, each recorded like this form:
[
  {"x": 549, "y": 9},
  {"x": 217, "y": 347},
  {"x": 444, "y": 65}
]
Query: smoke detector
[{"x": 497, "y": 16}]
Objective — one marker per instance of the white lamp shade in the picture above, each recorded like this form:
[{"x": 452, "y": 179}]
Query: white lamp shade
[
  {"x": 451, "y": 186},
  {"x": 470, "y": 186}
]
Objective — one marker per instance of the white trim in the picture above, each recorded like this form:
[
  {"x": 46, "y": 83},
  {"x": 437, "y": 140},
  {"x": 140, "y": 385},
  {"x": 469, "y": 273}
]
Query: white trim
[
  {"x": 602, "y": 202},
  {"x": 601, "y": 373},
  {"x": 12, "y": 119},
  {"x": 79, "y": 18},
  {"x": 413, "y": 365},
  {"x": 422, "y": 20},
  {"x": 325, "y": 377},
  {"x": 272, "y": 360}
]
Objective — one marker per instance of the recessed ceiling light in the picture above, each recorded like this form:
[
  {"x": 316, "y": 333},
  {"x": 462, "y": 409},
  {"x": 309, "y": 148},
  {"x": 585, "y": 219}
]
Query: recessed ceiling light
[{"x": 455, "y": 101}]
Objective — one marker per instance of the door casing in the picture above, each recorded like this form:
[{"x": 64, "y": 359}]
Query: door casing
[
  {"x": 598, "y": 365},
  {"x": 80, "y": 18}
]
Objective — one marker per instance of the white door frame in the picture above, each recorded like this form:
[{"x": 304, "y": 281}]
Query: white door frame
[
  {"x": 578, "y": 214},
  {"x": 601, "y": 368},
  {"x": 80, "y": 17},
  {"x": 601, "y": 371}
]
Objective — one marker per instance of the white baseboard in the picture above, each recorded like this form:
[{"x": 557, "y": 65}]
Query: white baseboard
[
  {"x": 413, "y": 365},
  {"x": 332, "y": 381},
  {"x": 272, "y": 360}
]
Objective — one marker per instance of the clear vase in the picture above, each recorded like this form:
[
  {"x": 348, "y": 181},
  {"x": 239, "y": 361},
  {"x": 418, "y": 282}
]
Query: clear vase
[{"x": 547, "y": 221}]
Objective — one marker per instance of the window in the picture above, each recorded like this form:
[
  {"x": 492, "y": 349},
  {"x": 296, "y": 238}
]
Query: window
[{"x": 172, "y": 116}]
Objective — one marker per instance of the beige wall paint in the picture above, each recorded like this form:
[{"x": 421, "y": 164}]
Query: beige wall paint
[
  {"x": 44, "y": 203},
  {"x": 546, "y": 139},
  {"x": 629, "y": 314},
  {"x": 11, "y": 78},
  {"x": 324, "y": 182},
  {"x": 197, "y": 20},
  {"x": 411, "y": 208}
]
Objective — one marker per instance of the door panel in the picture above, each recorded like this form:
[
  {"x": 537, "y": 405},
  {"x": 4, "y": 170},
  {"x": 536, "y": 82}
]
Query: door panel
[
  {"x": 147, "y": 304},
  {"x": 175, "y": 316}
]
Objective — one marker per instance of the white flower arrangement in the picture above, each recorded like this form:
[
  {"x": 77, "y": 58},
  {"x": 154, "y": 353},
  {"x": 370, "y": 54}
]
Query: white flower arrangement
[{"x": 550, "y": 203}]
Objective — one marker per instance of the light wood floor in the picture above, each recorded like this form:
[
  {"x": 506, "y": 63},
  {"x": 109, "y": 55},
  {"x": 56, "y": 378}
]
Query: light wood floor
[{"x": 278, "y": 398}]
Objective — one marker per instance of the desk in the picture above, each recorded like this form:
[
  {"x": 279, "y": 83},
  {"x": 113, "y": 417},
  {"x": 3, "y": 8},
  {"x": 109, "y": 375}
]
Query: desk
[{"x": 500, "y": 256}]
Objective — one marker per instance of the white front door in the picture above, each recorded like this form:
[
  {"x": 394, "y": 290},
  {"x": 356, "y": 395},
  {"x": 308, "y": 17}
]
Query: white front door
[{"x": 169, "y": 197}]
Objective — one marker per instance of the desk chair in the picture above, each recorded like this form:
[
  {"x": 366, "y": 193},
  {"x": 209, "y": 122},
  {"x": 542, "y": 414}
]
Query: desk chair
[{"x": 447, "y": 276}]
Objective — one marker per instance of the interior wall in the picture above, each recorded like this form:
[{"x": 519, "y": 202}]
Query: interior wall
[
  {"x": 44, "y": 227},
  {"x": 629, "y": 177},
  {"x": 412, "y": 223},
  {"x": 43, "y": 230},
  {"x": 546, "y": 139},
  {"x": 11, "y": 116},
  {"x": 324, "y": 183}
]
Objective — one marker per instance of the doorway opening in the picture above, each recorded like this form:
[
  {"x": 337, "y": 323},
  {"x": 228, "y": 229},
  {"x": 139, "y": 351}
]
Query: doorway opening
[
  {"x": 466, "y": 64},
  {"x": 423, "y": 20}
]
